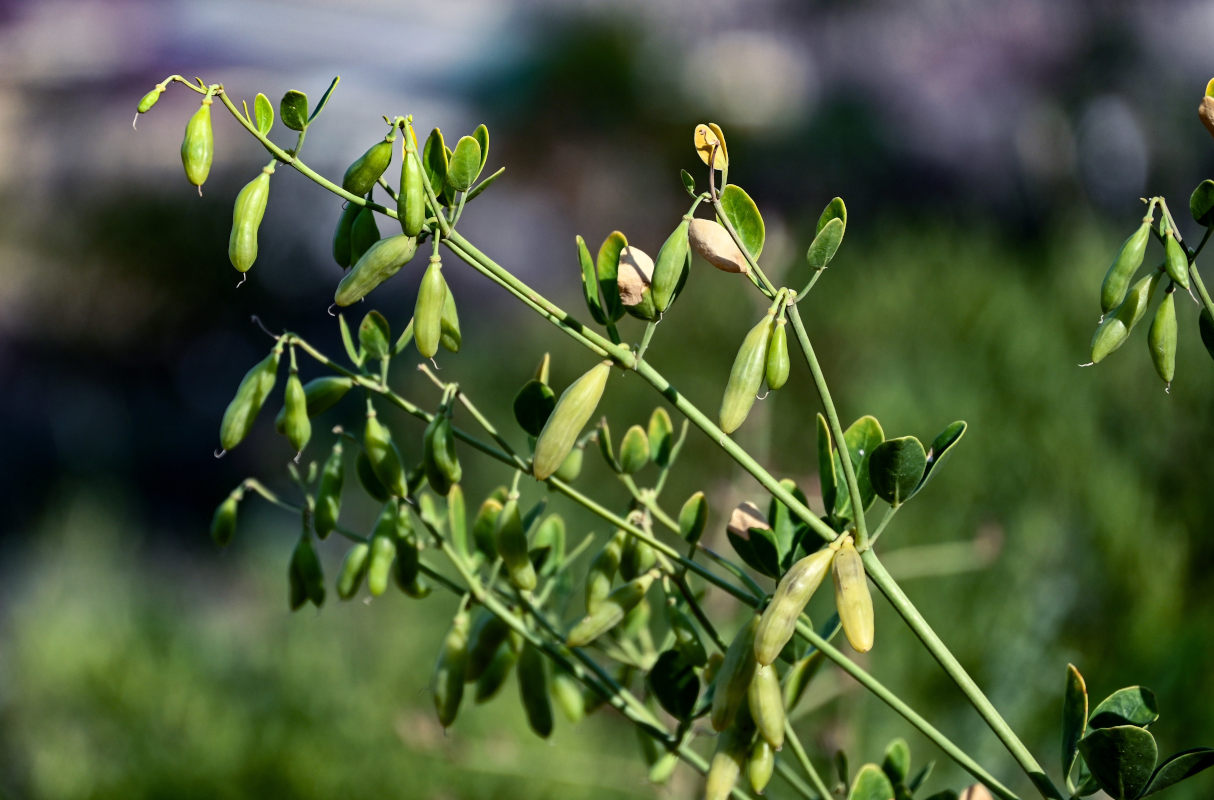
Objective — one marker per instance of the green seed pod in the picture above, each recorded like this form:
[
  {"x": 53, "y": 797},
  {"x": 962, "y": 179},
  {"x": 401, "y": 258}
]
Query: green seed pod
[
  {"x": 447, "y": 684},
  {"x": 379, "y": 571},
  {"x": 661, "y": 437},
  {"x": 1175, "y": 260},
  {"x": 411, "y": 201},
  {"x": 361, "y": 176},
  {"x": 353, "y": 570},
  {"x": 635, "y": 620},
  {"x": 760, "y": 765},
  {"x": 1205, "y": 327},
  {"x": 602, "y": 571},
  {"x": 777, "y": 356},
  {"x": 533, "y": 690},
  {"x": 766, "y": 703},
  {"x": 746, "y": 376},
  {"x": 549, "y": 539},
  {"x": 450, "y": 337},
  {"x": 511, "y": 542},
  {"x": 383, "y": 260},
  {"x": 438, "y": 455},
  {"x": 852, "y": 599},
  {"x": 254, "y": 387},
  {"x": 693, "y": 518},
  {"x": 428, "y": 313},
  {"x": 1116, "y": 327},
  {"x": 364, "y": 233},
  {"x": 779, "y": 620},
  {"x": 384, "y": 457},
  {"x": 198, "y": 146},
  {"x": 663, "y": 768},
  {"x": 484, "y": 525},
  {"x": 634, "y": 450},
  {"x": 489, "y": 634},
  {"x": 297, "y": 594},
  {"x": 223, "y": 522},
  {"x": 494, "y": 676},
  {"x": 407, "y": 571},
  {"x": 733, "y": 678},
  {"x": 573, "y": 410},
  {"x": 568, "y": 695},
  {"x": 306, "y": 565},
  {"x": 733, "y": 748},
  {"x": 1127, "y": 262},
  {"x": 320, "y": 394},
  {"x": 571, "y": 467},
  {"x": 296, "y": 425},
  {"x": 149, "y": 100},
  {"x": 367, "y": 478},
  {"x": 342, "y": 234},
  {"x": 798, "y": 676},
  {"x": 610, "y": 611},
  {"x": 250, "y": 207},
  {"x": 636, "y": 559},
  {"x": 1162, "y": 339},
  {"x": 668, "y": 271}
]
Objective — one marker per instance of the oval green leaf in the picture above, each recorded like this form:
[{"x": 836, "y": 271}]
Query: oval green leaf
[
  {"x": 825, "y": 245},
  {"x": 745, "y": 218},
  {"x": 1201, "y": 203},
  {"x": 895, "y": 468},
  {"x": 533, "y": 405},
  {"x": 661, "y": 436},
  {"x": 939, "y": 449},
  {"x": 693, "y": 517},
  {"x": 607, "y": 266},
  {"x": 1133, "y": 705},
  {"x": 293, "y": 109},
  {"x": 871, "y": 784},
  {"x": 674, "y": 683},
  {"x": 1205, "y": 326},
  {"x": 434, "y": 161},
  {"x": 862, "y": 437},
  {"x": 1074, "y": 717},
  {"x": 689, "y": 183},
  {"x": 465, "y": 164},
  {"x": 263, "y": 113},
  {"x": 374, "y": 335},
  {"x": 1121, "y": 759},
  {"x": 590, "y": 285},
  {"x": 896, "y": 764},
  {"x": 481, "y": 134},
  {"x": 1180, "y": 766},
  {"x": 758, "y": 549},
  {"x": 835, "y": 209}
]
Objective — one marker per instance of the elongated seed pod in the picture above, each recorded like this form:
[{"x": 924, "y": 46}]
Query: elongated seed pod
[
  {"x": 247, "y": 212},
  {"x": 428, "y": 313},
  {"x": 448, "y": 681},
  {"x": 320, "y": 394},
  {"x": 1175, "y": 260},
  {"x": 353, "y": 570},
  {"x": 364, "y": 233},
  {"x": 223, "y": 522},
  {"x": 328, "y": 496},
  {"x": 713, "y": 243},
  {"x": 379, "y": 569},
  {"x": 852, "y": 599},
  {"x": 779, "y": 620},
  {"x": 489, "y": 634},
  {"x": 198, "y": 145},
  {"x": 602, "y": 570},
  {"x": 297, "y": 595},
  {"x": 766, "y": 703},
  {"x": 778, "y": 363},
  {"x": 296, "y": 425},
  {"x": 341, "y": 235},
  {"x": 1161, "y": 338},
  {"x": 148, "y": 100},
  {"x": 760, "y": 764},
  {"x": 1116, "y": 327},
  {"x": 610, "y": 611},
  {"x": 411, "y": 201},
  {"x": 366, "y": 169},
  {"x": 746, "y": 376},
  {"x": 728, "y": 759},
  {"x": 384, "y": 457},
  {"x": 533, "y": 690},
  {"x": 407, "y": 567},
  {"x": 571, "y": 467},
  {"x": 254, "y": 387},
  {"x": 450, "y": 337},
  {"x": 733, "y": 678},
  {"x": 484, "y": 525},
  {"x": 383, "y": 260},
  {"x": 1128, "y": 260},
  {"x": 668, "y": 270},
  {"x": 637, "y": 558},
  {"x": 568, "y": 695},
  {"x": 573, "y": 410},
  {"x": 438, "y": 455},
  {"x": 511, "y": 543},
  {"x": 306, "y": 565},
  {"x": 494, "y": 676}
]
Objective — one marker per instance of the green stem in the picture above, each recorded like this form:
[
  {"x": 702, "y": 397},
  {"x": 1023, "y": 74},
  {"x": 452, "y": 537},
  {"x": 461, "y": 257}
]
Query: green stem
[
  {"x": 768, "y": 288},
  {"x": 798, "y": 750},
  {"x": 645, "y": 339}
]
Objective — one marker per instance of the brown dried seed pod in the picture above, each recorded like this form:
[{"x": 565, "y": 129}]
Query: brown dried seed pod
[
  {"x": 713, "y": 243},
  {"x": 1206, "y": 112},
  {"x": 634, "y": 276}
]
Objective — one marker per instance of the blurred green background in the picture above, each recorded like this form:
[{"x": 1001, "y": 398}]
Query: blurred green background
[{"x": 992, "y": 157}]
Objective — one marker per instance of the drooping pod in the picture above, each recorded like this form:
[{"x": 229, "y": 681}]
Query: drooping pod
[
  {"x": 305, "y": 566},
  {"x": 779, "y": 620},
  {"x": 670, "y": 266},
  {"x": 852, "y": 598},
  {"x": 148, "y": 100},
  {"x": 733, "y": 678},
  {"x": 251, "y": 395},
  {"x": 296, "y": 425},
  {"x": 428, "y": 312},
  {"x": 494, "y": 676},
  {"x": 384, "y": 457},
  {"x": 483, "y": 526},
  {"x": 364, "y": 233},
  {"x": 407, "y": 567},
  {"x": 733, "y": 747},
  {"x": 341, "y": 235},
  {"x": 198, "y": 145},
  {"x": 383, "y": 549},
  {"x": 573, "y": 410},
  {"x": 760, "y": 764},
  {"x": 766, "y": 703},
  {"x": 1128, "y": 260},
  {"x": 1175, "y": 260},
  {"x": 610, "y": 611},
  {"x": 328, "y": 496},
  {"x": 223, "y": 522},
  {"x": 365, "y": 171},
  {"x": 383, "y": 260},
  {"x": 411, "y": 201},
  {"x": 746, "y": 376},
  {"x": 511, "y": 541},
  {"x": 438, "y": 455},
  {"x": 450, "y": 337},
  {"x": 533, "y": 690},
  {"x": 567, "y": 692},
  {"x": 1161, "y": 338},
  {"x": 1115, "y": 329},
  {"x": 247, "y": 213},
  {"x": 448, "y": 681},
  {"x": 320, "y": 394},
  {"x": 602, "y": 570},
  {"x": 778, "y": 363},
  {"x": 353, "y": 570},
  {"x": 489, "y": 634}
]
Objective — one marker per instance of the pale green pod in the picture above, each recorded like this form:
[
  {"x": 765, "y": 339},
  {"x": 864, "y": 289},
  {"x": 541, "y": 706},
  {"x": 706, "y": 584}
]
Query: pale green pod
[
  {"x": 384, "y": 457},
  {"x": 852, "y": 598},
  {"x": 247, "y": 213},
  {"x": 568, "y": 695},
  {"x": 760, "y": 764},
  {"x": 733, "y": 678},
  {"x": 779, "y": 620},
  {"x": 383, "y": 553},
  {"x": 746, "y": 376},
  {"x": 447, "y": 685},
  {"x": 733, "y": 747},
  {"x": 778, "y": 363},
  {"x": 1161, "y": 338},
  {"x": 381, "y": 261},
  {"x": 1128, "y": 260},
  {"x": 1175, "y": 260},
  {"x": 672, "y": 261},
  {"x": 610, "y": 611},
  {"x": 511, "y": 542},
  {"x": 198, "y": 145},
  {"x": 602, "y": 570},
  {"x": 366, "y": 169},
  {"x": 1115, "y": 328},
  {"x": 573, "y": 410},
  {"x": 411, "y": 201},
  {"x": 250, "y": 396},
  {"x": 634, "y": 450},
  {"x": 766, "y": 703},
  {"x": 428, "y": 312}
]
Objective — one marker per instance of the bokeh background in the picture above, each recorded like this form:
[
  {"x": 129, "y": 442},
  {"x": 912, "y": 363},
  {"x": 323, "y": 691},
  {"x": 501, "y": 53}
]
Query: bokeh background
[{"x": 991, "y": 155}]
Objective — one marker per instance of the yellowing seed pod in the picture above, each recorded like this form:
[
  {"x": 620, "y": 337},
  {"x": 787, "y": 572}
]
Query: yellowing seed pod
[
  {"x": 383, "y": 260},
  {"x": 760, "y": 764},
  {"x": 574, "y": 408},
  {"x": 730, "y": 756},
  {"x": 733, "y": 678},
  {"x": 361, "y": 176},
  {"x": 610, "y": 611},
  {"x": 247, "y": 213},
  {"x": 198, "y": 145},
  {"x": 384, "y": 457},
  {"x": 533, "y": 690},
  {"x": 766, "y": 703},
  {"x": 296, "y": 425},
  {"x": 668, "y": 271},
  {"x": 511, "y": 542},
  {"x": 1161, "y": 339},
  {"x": 852, "y": 599},
  {"x": 778, "y": 363},
  {"x": 428, "y": 313},
  {"x": 711, "y": 242},
  {"x": 254, "y": 387},
  {"x": 447, "y": 685},
  {"x": 353, "y": 570},
  {"x": 328, "y": 497},
  {"x": 1128, "y": 260},
  {"x": 779, "y": 620},
  {"x": 746, "y": 376}
]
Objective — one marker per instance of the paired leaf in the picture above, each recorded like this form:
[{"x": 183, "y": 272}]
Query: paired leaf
[
  {"x": 481, "y": 134},
  {"x": 862, "y": 437},
  {"x": 294, "y": 110},
  {"x": 835, "y": 209},
  {"x": 434, "y": 161},
  {"x": 941, "y": 445},
  {"x": 824, "y": 246},
  {"x": 1074, "y": 717},
  {"x": 374, "y": 335},
  {"x": 745, "y": 218},
  {"x": 1201, "y": 203},
  {"x": 1121, "y": 759},
  {"x": 896, "y": 467},
  {"x": 1133, "y": 705},
  {"x": 871, "y": 784},
  {"x": 263, "y": 113},
  {"x": 465, "y": 164},
  {"x": 1180, "y": 766},
  {"x": 607, "y": 266}
]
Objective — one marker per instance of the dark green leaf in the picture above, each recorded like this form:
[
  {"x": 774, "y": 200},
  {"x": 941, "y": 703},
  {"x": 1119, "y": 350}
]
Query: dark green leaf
[
  {"x": 861, "y": 437},
  {"x": 374, "y": 335},
  {"x": 1133, "y": 705},
  {"x": 895, "y": 468},
  {"x": 481, "y": 134},
  {"x": 1074, "y": 717},
  {"x": 661, "y": 436},
  {"x": 465, "y": 164},
  {"x": 1121, "y": 759},
  {"x": 674, "y": 683},
  {"x": 941, "y": 446},
  {"x": 824, "y": 246},
  {"x": 758, "y": 549},
  {"x": 263, "y": 113},
  {"x": 1205, "y": 325},
  {"x": 324, "y": 98},
  {"x": 826, "y": 464},
  {"x": 914, "y": 783},
  {"x": 871, "y": 784},
  {"x": 835, "y": 209},
  {"x": 745, "y": 218},
  {"x": 1180, "y": 766},
  {"x": 689, "y": 183},
  {"x": 841, "y": 770},
  {"x": 1201, "y": 203},
  {"x": 590, "y": 285},
  {"x": 897, "y": 761},
  {"x": 434, "y": 161},
  {"x": 294, "y": 110},
  {"x": 605, "y": 446},
  {"x": 784, "y": 525},
  {"x": 607, "y": 266},
  {"x": 533, "y": 405}
]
